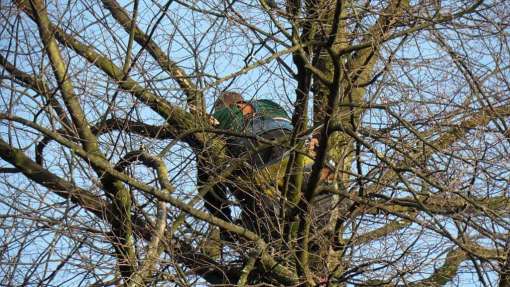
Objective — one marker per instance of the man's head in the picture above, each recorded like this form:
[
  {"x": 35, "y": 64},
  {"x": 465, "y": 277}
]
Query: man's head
[
  {"x": 227, "y": 99},
  {"x": 231, "y": 99}
]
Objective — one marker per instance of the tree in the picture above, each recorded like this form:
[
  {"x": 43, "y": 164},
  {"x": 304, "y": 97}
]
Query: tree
[{"x": 109, "y": 152}]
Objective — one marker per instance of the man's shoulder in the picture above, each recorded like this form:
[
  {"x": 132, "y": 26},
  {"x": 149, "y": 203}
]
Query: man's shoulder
[{"x": 269, "y": 108}]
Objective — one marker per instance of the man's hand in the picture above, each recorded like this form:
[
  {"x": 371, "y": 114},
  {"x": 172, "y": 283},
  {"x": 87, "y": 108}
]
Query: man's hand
[{"x": 213, "y": 121}]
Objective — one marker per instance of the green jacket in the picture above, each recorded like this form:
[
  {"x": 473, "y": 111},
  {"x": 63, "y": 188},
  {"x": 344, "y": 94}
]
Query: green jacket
[
  {"x": 268, "y": 115},
  {"x": 269, "y": 121}
]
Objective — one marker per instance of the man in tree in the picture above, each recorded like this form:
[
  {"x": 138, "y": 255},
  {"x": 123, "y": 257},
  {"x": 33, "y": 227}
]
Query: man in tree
[
  {"x": 260, "y": 130},
  {"x": 250, "y": 126},
  {"x": 252, "y": 119}
]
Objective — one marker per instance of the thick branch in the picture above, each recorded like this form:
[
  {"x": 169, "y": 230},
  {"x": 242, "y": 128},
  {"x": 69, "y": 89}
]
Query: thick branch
[
  {"x": 446, "y": 272},
  {"x": 135, "y": 127},
  {"x": 60, "y": 71},
  {"x": 63, "y": 188},
  {"x": 194, "y": 95},
  {"x": 114, "y": 124},
  {"x": 121, "y": 222}
]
